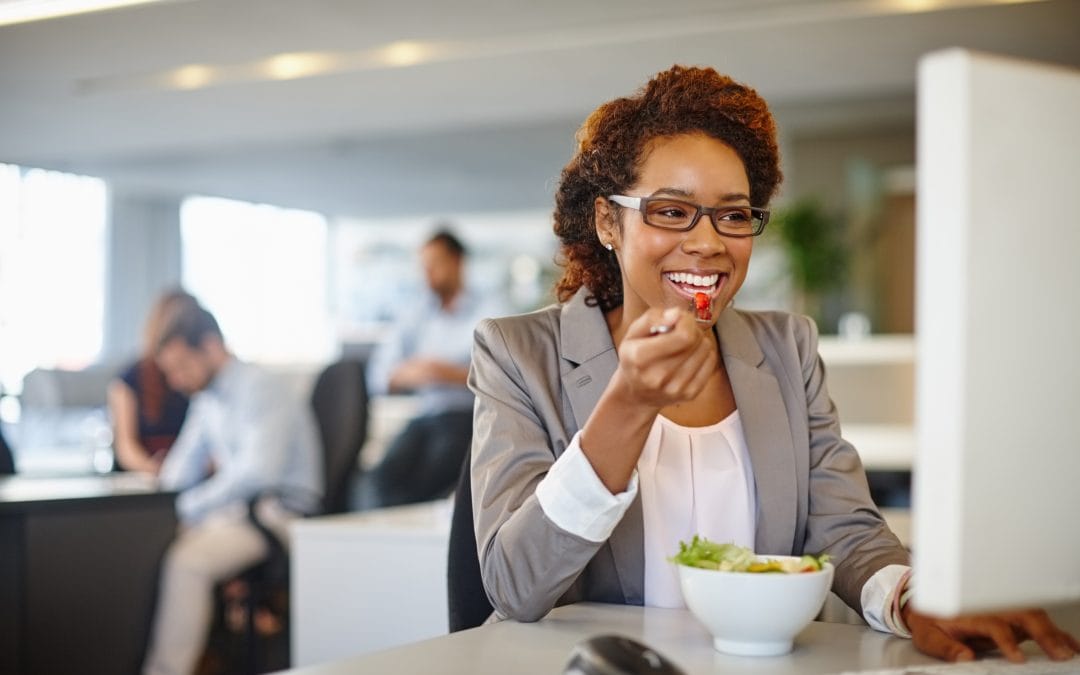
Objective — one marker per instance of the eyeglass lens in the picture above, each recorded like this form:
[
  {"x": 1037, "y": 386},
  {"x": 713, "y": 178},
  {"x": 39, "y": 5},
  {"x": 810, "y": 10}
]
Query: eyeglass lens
[{"x": 676, "y": 214}]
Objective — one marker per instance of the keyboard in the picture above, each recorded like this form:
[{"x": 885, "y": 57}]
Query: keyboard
[{"x": 1033, "y": 666}]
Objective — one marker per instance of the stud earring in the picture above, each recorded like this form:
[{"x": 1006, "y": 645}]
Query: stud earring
[{"x": 609, "y": 247}]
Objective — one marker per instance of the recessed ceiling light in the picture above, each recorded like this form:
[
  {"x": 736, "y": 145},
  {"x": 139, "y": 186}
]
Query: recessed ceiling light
[
  {"x": 298, "y": 64},
  {"x": 405, "y": 53},
  {"x": 194, "y": 76}
]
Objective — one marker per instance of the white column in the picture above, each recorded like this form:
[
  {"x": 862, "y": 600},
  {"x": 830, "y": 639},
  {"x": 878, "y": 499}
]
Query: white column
[{"x": 143, "y": 261}]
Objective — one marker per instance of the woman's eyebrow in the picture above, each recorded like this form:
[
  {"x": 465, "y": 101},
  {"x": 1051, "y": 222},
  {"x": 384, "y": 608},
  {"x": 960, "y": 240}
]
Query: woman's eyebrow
[{"x": 679, "y": 192}]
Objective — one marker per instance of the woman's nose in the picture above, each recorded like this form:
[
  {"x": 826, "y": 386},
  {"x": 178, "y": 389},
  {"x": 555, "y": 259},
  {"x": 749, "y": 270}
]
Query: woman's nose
[{"x": 703, "y": 239}]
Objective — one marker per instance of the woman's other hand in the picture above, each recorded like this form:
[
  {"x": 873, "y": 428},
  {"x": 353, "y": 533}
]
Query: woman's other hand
[{"x": 960, "y": 638}]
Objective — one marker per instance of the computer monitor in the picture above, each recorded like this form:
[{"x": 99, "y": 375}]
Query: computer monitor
[{"x": 996, "y": 513}]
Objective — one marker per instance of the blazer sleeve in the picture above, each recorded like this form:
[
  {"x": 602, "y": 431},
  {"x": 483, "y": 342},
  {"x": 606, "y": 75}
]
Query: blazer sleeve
[
  {"x": 527, "y": 562},
  {"x": 842, "y": 519}
]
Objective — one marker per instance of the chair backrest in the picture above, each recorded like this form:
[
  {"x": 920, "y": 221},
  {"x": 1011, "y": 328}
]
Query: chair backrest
[
  {"x": 59, "y": 388},
  {"x": 7, "y": 460},
  {"x": 340, "y": 402},
  {"x": 467, "y": 600}
]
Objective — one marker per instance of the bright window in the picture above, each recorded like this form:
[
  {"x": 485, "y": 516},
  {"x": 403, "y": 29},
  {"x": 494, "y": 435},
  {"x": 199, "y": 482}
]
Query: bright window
[
  {"x": 52, "y": 271},
  {"x": 262, "y": 271}
]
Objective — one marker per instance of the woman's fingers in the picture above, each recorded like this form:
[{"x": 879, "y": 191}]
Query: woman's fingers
[
  {"x": 664, "y": 367},
  {"x": 690, "y": 375},
  {"x": 655, "y": 322},
  {"x": 931, "y": 639},
  {"x": 1002, "y": 634},
  {"x": 1057, "y": 644},
  {"x": 958, "y": 639},
  {"x": 1009, "y": 629},
  {"x": 686, "y": 371}
]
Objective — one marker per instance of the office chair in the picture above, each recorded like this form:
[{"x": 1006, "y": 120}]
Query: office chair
[
  {"x": 7, "y": 460},
  {"x": 339, "y": 402},
  {"x": 467, "y": 600}
]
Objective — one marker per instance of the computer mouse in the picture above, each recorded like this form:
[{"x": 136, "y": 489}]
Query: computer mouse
[{"x": 618, "y": 655}]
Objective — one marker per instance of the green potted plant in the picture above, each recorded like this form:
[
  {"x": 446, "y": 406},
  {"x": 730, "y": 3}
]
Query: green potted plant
[{"x": 817, "y": 253}]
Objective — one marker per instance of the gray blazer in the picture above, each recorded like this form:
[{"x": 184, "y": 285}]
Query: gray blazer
[{"x": 537, "y": 378}]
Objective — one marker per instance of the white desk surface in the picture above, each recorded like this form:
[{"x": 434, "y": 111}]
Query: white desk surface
[{"x": 544, "y": 646}]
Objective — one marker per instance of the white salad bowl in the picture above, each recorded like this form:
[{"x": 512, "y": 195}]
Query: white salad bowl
[{"x": 755, "y": 614}]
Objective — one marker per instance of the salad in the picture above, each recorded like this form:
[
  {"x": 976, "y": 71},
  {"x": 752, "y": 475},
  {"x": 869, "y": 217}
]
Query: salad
[{"x": 701, "y": 552}]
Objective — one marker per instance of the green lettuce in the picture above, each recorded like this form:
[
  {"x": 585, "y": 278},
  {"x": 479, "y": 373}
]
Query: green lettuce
[{"x": 701, "y": 552}]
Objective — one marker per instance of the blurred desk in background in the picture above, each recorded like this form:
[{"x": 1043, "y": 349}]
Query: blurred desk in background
[
  {"x": 367, "y": 581},
  {"x": 78, "y": 574}
]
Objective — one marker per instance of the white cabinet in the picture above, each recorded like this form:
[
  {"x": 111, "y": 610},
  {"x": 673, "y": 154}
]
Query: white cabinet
[{"x": 367, "y": 581}]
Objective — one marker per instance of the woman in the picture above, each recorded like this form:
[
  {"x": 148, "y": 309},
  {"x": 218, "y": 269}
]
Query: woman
[
  {"x": 146, "y": 413},
  {"x": 612, "y": 426}
]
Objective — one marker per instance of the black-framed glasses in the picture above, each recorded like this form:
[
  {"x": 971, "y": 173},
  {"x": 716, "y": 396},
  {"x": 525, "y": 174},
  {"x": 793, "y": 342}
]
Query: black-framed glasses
[{"x": 678, "y": 215}]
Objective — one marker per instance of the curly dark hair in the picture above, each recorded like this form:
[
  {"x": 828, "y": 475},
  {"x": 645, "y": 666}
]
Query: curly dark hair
[{"x": 611, "y": 148}]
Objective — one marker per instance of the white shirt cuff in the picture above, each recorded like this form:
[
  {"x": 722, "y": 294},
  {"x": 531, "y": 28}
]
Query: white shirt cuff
[
  {"x": 573, "y": 497},
  {"x": 877, "y": 596}
]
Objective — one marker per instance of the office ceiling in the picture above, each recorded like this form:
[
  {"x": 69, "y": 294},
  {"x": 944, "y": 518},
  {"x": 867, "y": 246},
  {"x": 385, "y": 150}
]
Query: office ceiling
[{"x": 164, "y": 87}]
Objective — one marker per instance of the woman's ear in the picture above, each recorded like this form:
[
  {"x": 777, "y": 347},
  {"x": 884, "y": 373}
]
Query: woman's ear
[{"x": 605, "y": 217}]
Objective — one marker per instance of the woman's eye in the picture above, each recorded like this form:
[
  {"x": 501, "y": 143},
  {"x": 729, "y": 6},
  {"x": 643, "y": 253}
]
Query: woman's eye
[
  {"x": 736, "y": 215},
  {"x": 670, "y": 212}
]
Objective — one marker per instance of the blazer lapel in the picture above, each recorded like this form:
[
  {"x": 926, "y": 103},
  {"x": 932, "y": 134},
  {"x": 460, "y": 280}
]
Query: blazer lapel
[
  {"x": 590, "y": 352},
  {"x": 767, "y": 430},
  {"x": 590, "y": 355}
]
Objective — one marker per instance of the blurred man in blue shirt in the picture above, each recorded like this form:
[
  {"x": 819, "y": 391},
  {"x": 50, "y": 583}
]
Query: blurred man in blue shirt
[
  {"x": 245, "y": 434},
  {"x": 428, "y": 354}
]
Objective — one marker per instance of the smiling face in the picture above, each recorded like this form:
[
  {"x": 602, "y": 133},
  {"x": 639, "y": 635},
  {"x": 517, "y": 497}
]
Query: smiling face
[{"x": 664, "y": 268}]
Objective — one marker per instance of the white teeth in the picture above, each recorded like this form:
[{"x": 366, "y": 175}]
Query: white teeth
[{"x": 707, "y": 281}]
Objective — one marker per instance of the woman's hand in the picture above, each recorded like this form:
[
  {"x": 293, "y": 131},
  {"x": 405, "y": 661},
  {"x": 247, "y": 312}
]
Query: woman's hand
[
  {"x": 655, "y": 370},
  {"x": 958, "y": 639},
  {"x": 660, "y": 369}
]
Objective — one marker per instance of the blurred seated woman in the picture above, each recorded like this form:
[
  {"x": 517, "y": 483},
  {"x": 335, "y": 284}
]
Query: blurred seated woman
[
  {"x": 628, "y": 418},
  {"x": 146, "y": 413}
]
